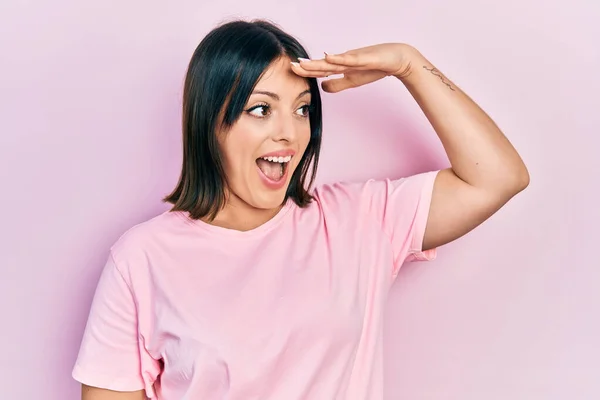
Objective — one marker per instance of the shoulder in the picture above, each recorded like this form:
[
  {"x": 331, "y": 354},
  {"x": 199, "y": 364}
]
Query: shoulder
[
  {"x": 344, "y": 190},
  {"x": 349, "y": 192},
  {"x": 349, "y": 189},
  {"x": 374, "y": 194},
  {"x": 346, "y": 198},
  {"x": 137, "y": 242}
]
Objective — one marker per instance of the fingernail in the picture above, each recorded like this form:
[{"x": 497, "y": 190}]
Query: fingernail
[
  {"x": 326, "y": 53},
  {"x": 295, "y": 64},
  {"x": 303, "y": 59}
]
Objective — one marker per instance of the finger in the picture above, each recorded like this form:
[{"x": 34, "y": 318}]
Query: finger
[
  {"x": 336, "y": 85},
  {"x": 349, "y": 59},
  {"x": 321, "y": 65},
  {"x": 301, "y": 71}
]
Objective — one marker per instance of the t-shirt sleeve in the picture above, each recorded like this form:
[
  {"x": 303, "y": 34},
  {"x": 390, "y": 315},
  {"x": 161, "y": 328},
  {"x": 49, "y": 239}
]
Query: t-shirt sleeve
[
  {"x": 401, "y": 207},
  {"x": 112, "y": 354}
]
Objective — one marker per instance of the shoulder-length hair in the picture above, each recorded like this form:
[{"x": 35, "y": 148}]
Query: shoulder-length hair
[{"x": 221, "y": 75}]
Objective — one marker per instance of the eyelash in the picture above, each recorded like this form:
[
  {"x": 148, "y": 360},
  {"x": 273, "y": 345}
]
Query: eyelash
[{"x": 308, "y": 108}]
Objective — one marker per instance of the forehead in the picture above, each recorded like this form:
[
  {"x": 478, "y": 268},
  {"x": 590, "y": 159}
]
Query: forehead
[{"x": 279, "y": 77}]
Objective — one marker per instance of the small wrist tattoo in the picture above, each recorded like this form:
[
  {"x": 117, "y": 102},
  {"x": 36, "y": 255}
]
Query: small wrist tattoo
[{"x": 437, "y": 73}]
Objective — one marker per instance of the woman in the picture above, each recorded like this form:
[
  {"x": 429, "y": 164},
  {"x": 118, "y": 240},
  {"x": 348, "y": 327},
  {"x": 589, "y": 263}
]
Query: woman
[{"x": 254, "y": 286}]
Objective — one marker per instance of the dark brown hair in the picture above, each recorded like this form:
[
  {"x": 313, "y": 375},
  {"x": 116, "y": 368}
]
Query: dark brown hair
[{"x": 222, "y": 74}]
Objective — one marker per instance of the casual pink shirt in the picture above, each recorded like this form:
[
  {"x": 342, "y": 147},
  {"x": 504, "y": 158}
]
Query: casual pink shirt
[{"x": 290, "y": 310}]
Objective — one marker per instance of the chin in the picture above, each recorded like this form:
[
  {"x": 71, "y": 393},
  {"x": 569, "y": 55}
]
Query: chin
[{"x": 269, "y": 201}]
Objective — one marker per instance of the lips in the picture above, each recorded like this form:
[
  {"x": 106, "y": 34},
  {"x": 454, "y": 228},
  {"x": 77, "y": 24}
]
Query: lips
[
  {"x": 279, "y": 153},
  {"x": 273, "y": 168}
]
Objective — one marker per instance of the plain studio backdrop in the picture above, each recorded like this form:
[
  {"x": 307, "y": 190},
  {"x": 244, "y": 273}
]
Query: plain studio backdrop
[{"x": 90, "y": 97}]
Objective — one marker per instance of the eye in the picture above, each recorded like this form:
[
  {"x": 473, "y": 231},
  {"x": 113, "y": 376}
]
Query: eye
[
  {"x": 259, "y": 111},
  {"x": 305, "y": 110}
]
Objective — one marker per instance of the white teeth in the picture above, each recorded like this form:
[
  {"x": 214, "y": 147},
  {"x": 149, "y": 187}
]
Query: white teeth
[{"x": 278, "y": 159}]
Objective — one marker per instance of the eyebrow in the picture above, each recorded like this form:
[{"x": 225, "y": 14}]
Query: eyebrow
[{"x": 275, "y": 96}]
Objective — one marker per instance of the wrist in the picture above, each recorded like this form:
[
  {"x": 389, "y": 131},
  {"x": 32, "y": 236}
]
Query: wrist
[{"x": 412, "y": 59}]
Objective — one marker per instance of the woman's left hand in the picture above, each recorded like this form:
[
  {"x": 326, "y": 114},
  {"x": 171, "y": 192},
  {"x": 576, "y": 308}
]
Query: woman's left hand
[{"x": 359, "y": 66}]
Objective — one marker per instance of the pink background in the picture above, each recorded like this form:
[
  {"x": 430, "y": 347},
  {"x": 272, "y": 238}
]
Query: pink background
[{"x": 90, "y": 141}]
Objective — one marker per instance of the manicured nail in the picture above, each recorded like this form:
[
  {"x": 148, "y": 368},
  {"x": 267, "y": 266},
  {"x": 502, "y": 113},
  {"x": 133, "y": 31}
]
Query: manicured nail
[
  {"x": 295, "y": 64},
  {"x": 303, "y": 59},
  {"x": 326, "y": 53}
]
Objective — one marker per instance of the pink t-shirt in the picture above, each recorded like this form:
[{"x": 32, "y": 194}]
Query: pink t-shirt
[{"x": 291, "y": 310}]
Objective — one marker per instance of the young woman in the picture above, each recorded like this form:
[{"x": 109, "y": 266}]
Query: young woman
[{"x": 254, "y": 285}]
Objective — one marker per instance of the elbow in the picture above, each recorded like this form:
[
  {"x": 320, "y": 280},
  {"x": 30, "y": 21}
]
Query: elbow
[
  {"x": 518, "y": 179},
  {"x": 523, "y": 177},
  {"x": 511, "y": 181}
]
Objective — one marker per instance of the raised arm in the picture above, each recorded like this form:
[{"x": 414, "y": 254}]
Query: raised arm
[{"x": 486, "y": 169}]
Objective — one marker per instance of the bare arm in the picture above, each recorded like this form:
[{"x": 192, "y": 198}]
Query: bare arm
[
  {"x": 486, "y": 170},
  {"x": 94, "y": 393}
]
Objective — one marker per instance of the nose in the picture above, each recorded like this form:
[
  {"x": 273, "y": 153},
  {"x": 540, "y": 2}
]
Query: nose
[{"x": 285, "y": 129}]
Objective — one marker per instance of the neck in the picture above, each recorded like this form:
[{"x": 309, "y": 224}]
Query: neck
[{"x": 241, "y": 216}]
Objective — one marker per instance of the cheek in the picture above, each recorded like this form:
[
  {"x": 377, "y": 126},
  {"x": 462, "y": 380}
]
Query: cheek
[
  {"x": 236, "y": 165},
  {"x": 230, "y": 159},
  {"x": 238, "y": 150},
  {"x": 305, "y": 137}
]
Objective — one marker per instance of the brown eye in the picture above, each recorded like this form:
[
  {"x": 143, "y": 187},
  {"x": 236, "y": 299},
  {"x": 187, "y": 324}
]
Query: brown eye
[
  {"x": 304, "y": 110},
  {"x": 259, "y": 111}
]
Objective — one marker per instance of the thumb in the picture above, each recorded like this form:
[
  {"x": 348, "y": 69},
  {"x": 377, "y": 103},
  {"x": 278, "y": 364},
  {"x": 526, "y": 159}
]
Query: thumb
[{"x": 336, "y": 85}]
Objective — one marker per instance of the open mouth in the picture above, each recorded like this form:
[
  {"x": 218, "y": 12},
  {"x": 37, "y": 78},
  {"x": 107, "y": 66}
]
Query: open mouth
[{"x": 274, "y": 168}]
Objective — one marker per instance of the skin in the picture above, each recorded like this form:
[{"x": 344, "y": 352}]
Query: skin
[
  {"x": 486, "y": 171},
  {"x": 93, "y": 393},
  {"x": 484, "y": 175},
  {"x": 275, "y": 119}
]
